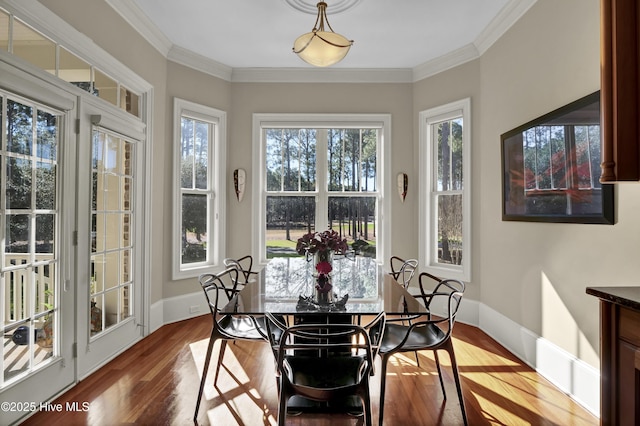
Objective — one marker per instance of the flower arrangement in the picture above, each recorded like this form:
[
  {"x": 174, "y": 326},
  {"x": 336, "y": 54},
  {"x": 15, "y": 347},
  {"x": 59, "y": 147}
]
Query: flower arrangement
[
  {"x": 314, "y": 242},
  {"x": 320, "y": 246}
]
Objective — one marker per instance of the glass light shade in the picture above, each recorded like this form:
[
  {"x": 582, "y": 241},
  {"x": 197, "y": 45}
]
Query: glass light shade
[{"x": 313, "y": 49}]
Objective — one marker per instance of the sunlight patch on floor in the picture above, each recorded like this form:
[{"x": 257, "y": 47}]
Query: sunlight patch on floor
[
  {"x": 230, "y": 366},
  {"x": 481, "y": 356}
]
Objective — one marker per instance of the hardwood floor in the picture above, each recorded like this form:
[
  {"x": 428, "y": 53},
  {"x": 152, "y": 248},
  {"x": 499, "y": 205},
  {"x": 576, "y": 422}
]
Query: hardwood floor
[{"x": 156, "y": 383}]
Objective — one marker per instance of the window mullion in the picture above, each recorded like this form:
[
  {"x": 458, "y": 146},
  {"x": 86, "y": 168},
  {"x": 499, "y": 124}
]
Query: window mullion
[
  {"x": 282, "y": 160},
  {"x": 342, "y": 162},
  {"x": 359, "y": 164},
  {"x": 322, "y": 172},
  {"x": 588, "y": 142},
  {"x": 299, "y": 160},
  {"x": 193, "y": 154}
]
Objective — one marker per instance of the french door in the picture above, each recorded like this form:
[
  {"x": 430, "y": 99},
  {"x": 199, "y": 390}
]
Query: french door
[
  {"x": 37, "y": 214},
  {"x": 72, "y": 169},
  {"x": 110, "y": 176}
]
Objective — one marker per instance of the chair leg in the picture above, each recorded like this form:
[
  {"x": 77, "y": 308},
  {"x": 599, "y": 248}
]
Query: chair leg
[
  {"x": 456, "y": 376},
  {"x": 366, "y": 407},
  {"x": 223, "y": 346},
  {"x": 282, "y": 408},
  {"x": 435, "y": 355},
  {"x": 207, "y": 360},
  {"x": 417, "y": 359},
  {"x": 383, "y": 382}
]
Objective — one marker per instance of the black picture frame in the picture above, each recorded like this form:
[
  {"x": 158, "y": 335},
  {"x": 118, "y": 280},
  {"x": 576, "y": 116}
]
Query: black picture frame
[{"x": 551, "y": 168}]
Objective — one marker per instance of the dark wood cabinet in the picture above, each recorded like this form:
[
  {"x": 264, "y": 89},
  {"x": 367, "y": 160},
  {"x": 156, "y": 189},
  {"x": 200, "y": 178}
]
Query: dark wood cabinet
[
  {"x": 620, "y": 90},
  {"x": 619, "y": 354}
]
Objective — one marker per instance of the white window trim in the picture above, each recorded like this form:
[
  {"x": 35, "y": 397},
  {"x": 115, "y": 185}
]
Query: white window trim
[
  {"x": 428, "y": 234},
  {"x": 261, "y": 121},
  {"x": 217, "y": 164}
]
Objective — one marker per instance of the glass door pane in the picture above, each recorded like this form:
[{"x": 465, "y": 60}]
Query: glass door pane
[
  {"x": 29, "y": 214},
  {"x": 111, "y": 231}
]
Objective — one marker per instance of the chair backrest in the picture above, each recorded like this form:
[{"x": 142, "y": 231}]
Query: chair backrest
[
  {"x": 325, "y": 340},
  {"x": 219, "y": 289},
  {"x": 403, "y": 270},
  {"x": 447, "y": 292},
  {"x": 243, "y": 264},
  {"x": 427, "y": 283}
]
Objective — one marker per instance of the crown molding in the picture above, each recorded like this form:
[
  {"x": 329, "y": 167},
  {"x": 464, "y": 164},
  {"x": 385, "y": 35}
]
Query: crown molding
[
  {"x": 321, "y": 75},
  {"x": 198, "y": 62},
  {"x": 134, "y": 16},
  {"x": 509, "y": 15},
  {"x": 447, "y": 61}
]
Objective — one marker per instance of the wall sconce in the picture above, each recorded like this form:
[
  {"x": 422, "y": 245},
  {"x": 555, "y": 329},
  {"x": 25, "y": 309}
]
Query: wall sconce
[
  {"x": 239, "y": 180},
  {"x": 403, "y": 185}
]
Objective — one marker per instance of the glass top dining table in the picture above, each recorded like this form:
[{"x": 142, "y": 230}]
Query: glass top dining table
[{"x": 286, "y": 286}]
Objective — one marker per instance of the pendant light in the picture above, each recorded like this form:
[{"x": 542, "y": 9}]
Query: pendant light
[{"x": 319, "y": 47}]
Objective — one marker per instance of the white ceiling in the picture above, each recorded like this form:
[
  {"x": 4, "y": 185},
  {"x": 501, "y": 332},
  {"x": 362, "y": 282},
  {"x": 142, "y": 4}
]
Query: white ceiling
[{"x": 258, "y": 34}]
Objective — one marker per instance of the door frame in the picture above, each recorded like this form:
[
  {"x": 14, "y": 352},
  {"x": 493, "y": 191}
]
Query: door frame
[
  {"x": 94, "y": 352},
  {"x": 60, "y": 373}
]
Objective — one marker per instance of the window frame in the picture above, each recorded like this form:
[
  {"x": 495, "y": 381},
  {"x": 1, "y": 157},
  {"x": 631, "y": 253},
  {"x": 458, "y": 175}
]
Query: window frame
[
  {"x": 321, "y": 121},
  {"x": 428, "y": 241},
  {"x": 216, "y": 183}
]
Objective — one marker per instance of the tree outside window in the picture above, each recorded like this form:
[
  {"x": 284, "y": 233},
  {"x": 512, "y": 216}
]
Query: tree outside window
[{"x": 319, "y": 179}]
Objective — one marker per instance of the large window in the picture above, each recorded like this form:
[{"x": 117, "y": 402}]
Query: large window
[
  {"x": 445, "y": 203},
  {"x": 199, "y": 176},
  {"x": 317, "y": 173}
]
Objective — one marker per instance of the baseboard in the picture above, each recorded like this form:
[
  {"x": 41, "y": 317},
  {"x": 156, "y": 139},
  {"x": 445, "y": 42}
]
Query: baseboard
[
  {"x": 573, "y": 376},
  {"x": 177, "y": 308},
  {"x": 576, "y": 378}
]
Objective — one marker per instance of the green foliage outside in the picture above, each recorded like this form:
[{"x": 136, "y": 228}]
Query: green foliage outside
[{"x": 292, "y": 173}]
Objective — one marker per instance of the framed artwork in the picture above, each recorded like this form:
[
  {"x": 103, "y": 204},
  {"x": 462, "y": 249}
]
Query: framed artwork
[{"x": 551, "y": 168}]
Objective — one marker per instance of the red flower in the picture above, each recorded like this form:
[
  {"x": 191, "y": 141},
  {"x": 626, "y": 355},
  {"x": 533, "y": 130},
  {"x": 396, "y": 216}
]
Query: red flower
[
  {"x": 323, "y": 285},
  {"x": 324, "y": 267}
]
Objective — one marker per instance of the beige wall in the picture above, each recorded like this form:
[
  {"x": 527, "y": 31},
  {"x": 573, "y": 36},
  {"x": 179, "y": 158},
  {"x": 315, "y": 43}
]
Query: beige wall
[
  {"x": 194, "y": 86},
  {"x": 536, "y": 273},
  {"x": 453, "y": 85},
  {"x": 533, "y": 273}
]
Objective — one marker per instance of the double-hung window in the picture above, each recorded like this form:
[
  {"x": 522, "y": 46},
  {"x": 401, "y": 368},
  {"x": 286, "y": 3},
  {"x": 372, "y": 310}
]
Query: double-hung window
[
  {"x": 319, "y": 172},
  {"x": 445, "y": 202},
  {"x": 199, "y": 181}
]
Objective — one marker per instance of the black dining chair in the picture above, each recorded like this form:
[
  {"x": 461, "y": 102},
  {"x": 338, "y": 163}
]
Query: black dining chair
[
  {"x": 324, "y": 362},
  {"x": 219, "y": 289},
  {"x": 403, "y": 270},
  {"x": 243, "y": 264},
  {"x": 425, "y": 332}
]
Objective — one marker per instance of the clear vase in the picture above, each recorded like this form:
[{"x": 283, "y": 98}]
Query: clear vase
[
  {"x": 323, "y": 289},
  {"x": 323, "y": 256},
  {"x": 324, "y": 297}
]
